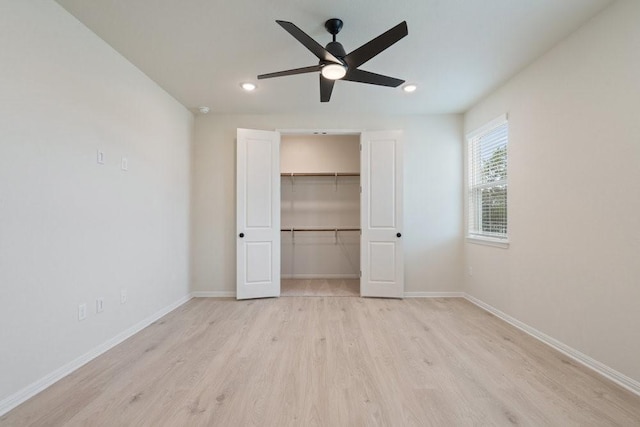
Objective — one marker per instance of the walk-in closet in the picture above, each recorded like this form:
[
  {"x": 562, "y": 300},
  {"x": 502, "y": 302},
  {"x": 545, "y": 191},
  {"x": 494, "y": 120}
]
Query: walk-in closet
[{"x": 320, "y": 215}]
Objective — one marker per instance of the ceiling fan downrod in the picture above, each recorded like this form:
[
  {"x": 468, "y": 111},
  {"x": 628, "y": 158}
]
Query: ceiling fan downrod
[{"x": 333, "y": 25}]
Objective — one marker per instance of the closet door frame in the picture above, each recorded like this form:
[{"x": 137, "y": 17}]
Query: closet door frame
[{"x": 366, "y": 289}]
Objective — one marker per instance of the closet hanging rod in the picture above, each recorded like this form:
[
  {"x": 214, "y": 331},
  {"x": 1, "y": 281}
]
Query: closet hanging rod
[
  {"x": 320, "y": 229},
  {"x": 319, "y": 174}
]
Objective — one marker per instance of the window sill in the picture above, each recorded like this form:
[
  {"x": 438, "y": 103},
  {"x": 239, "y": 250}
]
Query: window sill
[{"x": 488, "y": 241}]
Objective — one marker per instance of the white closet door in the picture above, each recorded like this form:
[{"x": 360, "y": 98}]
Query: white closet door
[
  {"x": 381, "y": 255},
  {"x": 258, "y": 214}
]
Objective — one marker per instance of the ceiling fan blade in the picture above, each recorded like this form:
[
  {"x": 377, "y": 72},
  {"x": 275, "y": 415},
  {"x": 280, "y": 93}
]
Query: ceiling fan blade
[
  {"x": 361, "y": 76},
  {"x": 302, "y": 70},
  {"x": 308, "y": 42},
  {"x": 326, "y": 87},
  {"x": 377, "y": 45}
]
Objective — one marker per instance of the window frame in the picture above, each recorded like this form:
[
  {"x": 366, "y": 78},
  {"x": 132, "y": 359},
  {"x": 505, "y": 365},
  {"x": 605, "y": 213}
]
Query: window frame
[{"x": 472, "y": 236}]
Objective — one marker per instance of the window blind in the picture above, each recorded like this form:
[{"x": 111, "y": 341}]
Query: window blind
[{"x": 488, "y": 182}]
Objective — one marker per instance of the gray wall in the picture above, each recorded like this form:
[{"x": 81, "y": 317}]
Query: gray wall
[
  {"x": 572, "y": 269},
  {"x": 72, "y": 231},
  {"x": 432, "y": 194}
]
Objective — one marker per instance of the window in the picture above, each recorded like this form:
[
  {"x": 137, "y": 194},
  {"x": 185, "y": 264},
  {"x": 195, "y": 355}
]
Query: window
[{"x": 487, "y": 172}]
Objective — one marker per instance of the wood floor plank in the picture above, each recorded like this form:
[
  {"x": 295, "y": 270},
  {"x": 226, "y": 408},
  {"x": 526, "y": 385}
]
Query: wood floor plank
[
  {"x": 330, "y": 361},
  {"x": 320, "y": 287}
]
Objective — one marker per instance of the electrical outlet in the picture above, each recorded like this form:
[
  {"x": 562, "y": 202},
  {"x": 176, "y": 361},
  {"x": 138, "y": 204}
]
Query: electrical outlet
[
  {"x": 470, "y": 271},
  {"x": 124, "y": 164},
  {"x": 82, "y": 311},
  {"x": 123, "y": 296},
  {"x": 100, "y": 157},
  {"x": 99, "y": 305}
]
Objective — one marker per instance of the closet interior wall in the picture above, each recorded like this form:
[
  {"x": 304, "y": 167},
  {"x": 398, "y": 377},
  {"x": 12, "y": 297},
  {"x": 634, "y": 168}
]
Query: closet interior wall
[{"x": 327, "y": 202}]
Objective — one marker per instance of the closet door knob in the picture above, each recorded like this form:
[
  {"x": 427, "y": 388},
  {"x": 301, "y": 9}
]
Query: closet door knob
[
  {"x": 399, "y": 235},
  {"x": 241, "y": 235}
]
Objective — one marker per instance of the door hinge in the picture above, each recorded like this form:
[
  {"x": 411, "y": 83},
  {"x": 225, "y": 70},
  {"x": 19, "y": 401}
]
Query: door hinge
[
  {"x": 360, "y": 147},
  {"x": 360, "y": 273},
  {"x": 361, "y": 189}
]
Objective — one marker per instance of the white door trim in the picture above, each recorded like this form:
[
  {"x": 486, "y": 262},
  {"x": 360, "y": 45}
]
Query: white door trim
[
  {"x": 324, "y": 131},
  {"x": 320, "y": 131}
]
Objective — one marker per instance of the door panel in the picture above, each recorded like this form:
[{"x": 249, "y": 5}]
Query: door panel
[
  {"x": 258, "y": 183},
  {"x": 258, "y": 262},
  {"x": 382, "y": 184},
  {"x": 382, "y": 262},
  {"x": 381, "y": 215},
  {"x": 258, "y": 214}
]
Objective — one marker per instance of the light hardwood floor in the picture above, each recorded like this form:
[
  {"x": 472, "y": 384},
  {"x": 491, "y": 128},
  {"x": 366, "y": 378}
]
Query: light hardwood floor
[
  {"x": 330, "y": 362},
  {"x": 320, "y": 287}
]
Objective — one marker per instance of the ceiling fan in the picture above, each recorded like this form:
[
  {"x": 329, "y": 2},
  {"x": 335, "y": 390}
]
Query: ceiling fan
[{"x": 336, "y": 64}]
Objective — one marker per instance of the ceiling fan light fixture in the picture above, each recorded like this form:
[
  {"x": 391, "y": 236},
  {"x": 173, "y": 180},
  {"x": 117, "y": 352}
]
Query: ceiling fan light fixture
[
  {"x": 334, "y": 71},
  {"x": 248, "y": 86},
  {"x": 409, "y": 88}
]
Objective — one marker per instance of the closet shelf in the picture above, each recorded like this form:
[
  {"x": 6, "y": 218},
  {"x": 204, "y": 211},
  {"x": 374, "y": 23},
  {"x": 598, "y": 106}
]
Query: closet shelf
[
  {"x": 335, "y": 231},
  {"x": 334, "y": 175}
]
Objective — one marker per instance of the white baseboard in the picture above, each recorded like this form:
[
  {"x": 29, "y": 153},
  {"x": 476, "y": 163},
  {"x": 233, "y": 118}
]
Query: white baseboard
[
  {"x": 319, "y": 276},
  {"x": 36, "y": 387},
  {"x": 602, "y": 369},
  {"x": 213, "y": 294},
  {"x": 434, "y": 294},
  {"x": 232, "y": 294}
]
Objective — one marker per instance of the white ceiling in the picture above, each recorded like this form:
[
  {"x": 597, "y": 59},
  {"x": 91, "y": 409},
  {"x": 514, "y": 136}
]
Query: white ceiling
[{"x": 456, "y": 51}]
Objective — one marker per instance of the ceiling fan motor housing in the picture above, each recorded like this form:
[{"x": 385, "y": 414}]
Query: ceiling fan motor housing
[
  {"x": 333, "y": 26},
  {"x": 336, "y": 49}
]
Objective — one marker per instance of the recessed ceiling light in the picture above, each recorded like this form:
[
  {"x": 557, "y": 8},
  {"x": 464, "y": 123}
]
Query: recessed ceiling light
[
  {"x": 204, "y": 110},
  {"x": 409, "y": 88},
  {"x": 248, "y": 86}
]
